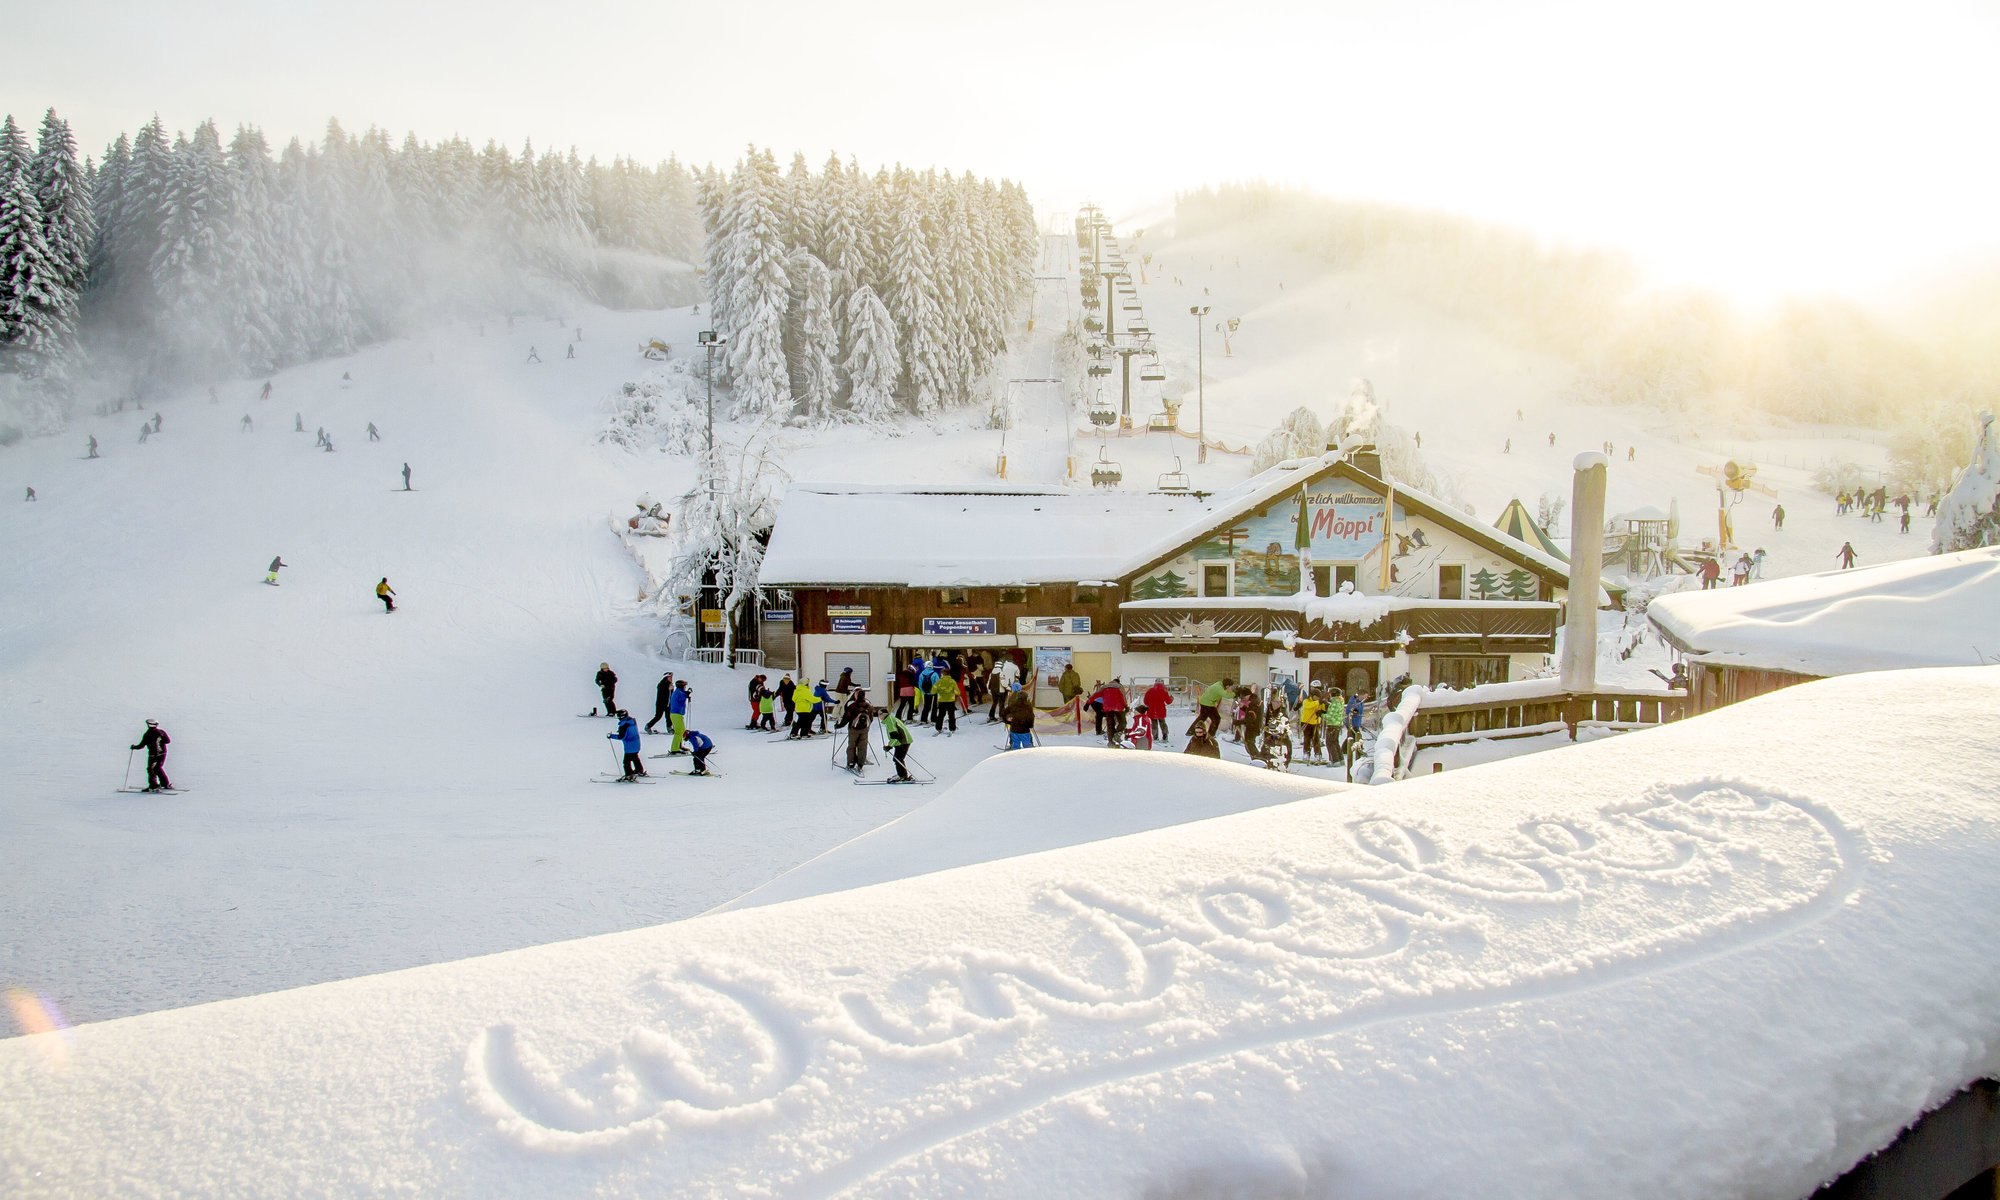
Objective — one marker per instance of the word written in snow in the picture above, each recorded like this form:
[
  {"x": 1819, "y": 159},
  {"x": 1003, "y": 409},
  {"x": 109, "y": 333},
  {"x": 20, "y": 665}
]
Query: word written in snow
[{"x": 871, "y": 1066}]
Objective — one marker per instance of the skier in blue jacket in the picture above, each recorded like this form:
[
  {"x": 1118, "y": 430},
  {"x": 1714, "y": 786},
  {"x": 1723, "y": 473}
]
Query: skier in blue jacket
[
  {"x": 1354, "y": 707},
  {"x": 627, "y": 734},
  {"x": 700, "y": 744}
]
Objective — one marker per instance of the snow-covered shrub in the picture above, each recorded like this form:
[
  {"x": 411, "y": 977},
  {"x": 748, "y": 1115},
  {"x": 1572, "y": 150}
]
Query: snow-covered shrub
[
  {"x": 1969, "y": 516},
  {"x": 664, "y": 411},
  {"x": 1299, "y": 435}
]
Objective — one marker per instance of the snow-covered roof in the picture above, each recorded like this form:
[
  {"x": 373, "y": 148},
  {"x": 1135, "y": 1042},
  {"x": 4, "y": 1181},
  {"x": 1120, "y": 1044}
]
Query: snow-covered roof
[
  {"x": 1569, "y": 961},
  {"x": 827, "y": 535},
  {"x": 1922, "y": 612}
]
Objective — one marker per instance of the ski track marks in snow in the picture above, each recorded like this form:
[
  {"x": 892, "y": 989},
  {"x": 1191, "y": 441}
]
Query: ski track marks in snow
[{"x": 1394, "y": 923}]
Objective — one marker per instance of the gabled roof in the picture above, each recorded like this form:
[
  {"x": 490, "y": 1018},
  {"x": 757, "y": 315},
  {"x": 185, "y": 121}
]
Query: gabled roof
[
  {"x": 829, "y": 535},
  {"x": 1272, "y": 485},
  {"x": 1517, "y": 524},
  {"x": 1935, "y": 611}
]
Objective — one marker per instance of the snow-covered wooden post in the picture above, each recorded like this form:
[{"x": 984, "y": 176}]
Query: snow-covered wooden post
[{"x": 1586, "y": 571}]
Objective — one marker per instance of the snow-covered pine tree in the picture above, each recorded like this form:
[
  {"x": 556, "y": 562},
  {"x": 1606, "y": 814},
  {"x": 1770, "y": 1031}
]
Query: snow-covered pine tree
[
  {"x": 1969, "y": 515},
  {"x": 192, "y": 265},
  {"x": 919, "y": 323},
  {"x": 36, "y": 317},
  {"x": 872, "y": 366},
  {"x": 760, "y": 293},
  {"x": 69, "y": 231},
  {"x": 815, "y": 339},
  {"x": 257, "y": 293},
  {"x": 14, "y": 153},
  {"x": 841, "y": 238}
]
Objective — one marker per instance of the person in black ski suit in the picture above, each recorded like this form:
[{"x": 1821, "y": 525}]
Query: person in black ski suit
[
  {"x": 662, "y": 695},
  {"x": 607, "y": 683},
  {"x": 855, "y": 717},
  {"x": 154, "y": 742}
]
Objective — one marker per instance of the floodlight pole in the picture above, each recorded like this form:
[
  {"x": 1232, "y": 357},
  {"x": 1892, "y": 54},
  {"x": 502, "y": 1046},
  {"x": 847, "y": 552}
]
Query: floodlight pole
[{"x": 1199, "y": 311}]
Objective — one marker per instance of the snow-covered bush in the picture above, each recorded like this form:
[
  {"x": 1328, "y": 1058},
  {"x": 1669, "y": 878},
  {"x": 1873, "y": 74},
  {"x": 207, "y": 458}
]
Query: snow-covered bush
[
  {"x": 1969, "y": 516},
  {"x": 665, "y": 411},
  {"x": 1299, "y": 435}
]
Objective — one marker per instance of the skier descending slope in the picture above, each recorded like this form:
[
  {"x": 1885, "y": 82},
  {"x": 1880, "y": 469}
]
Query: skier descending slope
[
  {"x": 627, "y": 735},
  {"x": 154, "y": 742},
  {"x": 386, "y": 594}
]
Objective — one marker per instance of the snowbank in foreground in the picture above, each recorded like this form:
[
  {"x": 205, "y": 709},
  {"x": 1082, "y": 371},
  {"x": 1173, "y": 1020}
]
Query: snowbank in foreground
[
  {"x": 1709, "y": 959},
  {"x": 1039, "y": 800}
]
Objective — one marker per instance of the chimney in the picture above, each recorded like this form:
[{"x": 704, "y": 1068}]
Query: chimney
[
  {"x": 1367, "y": 458},
  {"x": 1586, "y": 573}
]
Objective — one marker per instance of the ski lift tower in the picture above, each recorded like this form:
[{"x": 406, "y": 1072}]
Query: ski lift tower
[{"x": 1125, "y": 403}]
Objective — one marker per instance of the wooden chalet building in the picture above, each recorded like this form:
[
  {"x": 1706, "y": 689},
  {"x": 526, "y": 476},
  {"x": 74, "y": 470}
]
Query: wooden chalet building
[{"x": 1382, "y": 581}]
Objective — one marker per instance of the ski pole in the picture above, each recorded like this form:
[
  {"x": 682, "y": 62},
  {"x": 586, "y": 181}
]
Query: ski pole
[{"x": 127, "y": 785}]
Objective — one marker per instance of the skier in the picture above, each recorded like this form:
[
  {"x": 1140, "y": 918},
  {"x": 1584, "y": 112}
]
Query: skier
[
  {"x": 607, "y": 684},
  {"x": 896, "y": 736},
  {"x": 822, "y": 704},
  {"x": 320, "y": 438},
  {"x": 1111, "y": 698},
  {"x": 677, "y": 710},
  {"x": 1155, "y": 704},
  {"x": 154, "y": 742},
  {"x": 271, "y": 575},
  {"x": 786, "y": 690},
  {"x": 572, "y": 351},
  {"x": 906, "y": 691},
  {"x": 663, "y": 694},
  {"x": 756, "y": 691},
  {"x": 1845, "y": 554},
  {"x": 386, "y": 594},
  {"x": 1778, "y": 516},
  {"x": 1519, "y": 415},
  {"x": 1739, "y": 574},
  {"x": 767, "y": 710},
  {"x": 93, "y": 447},
  {"x": 374, "y": 434},
  {"x": 1711, "y": 573},
  {"x": 266, "y": 393},
  {"x": 532, "y": 356},
  {"x": 246, "y": 422},
  {"x": 1906, "y": 521},
  {"x": 346, "y": 378},
  {"x": 1312, "y": 713},
  {"x": 1552, "y": 438},
  {"x": 298, "y": 422},
  {"x": 156, "y": 422},
  {"x": 1211, "y": 701},
  {"x": 803, "y": 701},
  {"x": 31, "y": 495},
  {"x": 855, "y": 717},
  {"x": 627, "y": 736},
  {"x": 1631, "y": 454},
  {"x": 1020, "y": 715},
  {"x": 145, "y": 431},
  {"x": 1355, "y": 707},
  {"x": 699, "y": 744},
  {"x": 1508, "y": 448},
  {"x": 926, "y": 691},
  {"x": 406, "y": 477},
  {"x": 944, "y": 705},
  {"x": 328, "y": 445}
]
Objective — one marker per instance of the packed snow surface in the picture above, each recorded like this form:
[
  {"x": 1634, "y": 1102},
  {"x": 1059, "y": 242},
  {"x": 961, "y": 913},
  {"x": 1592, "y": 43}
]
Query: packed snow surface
[
  {"x": 1937, "y": 611},
  {"x": 1710, "y": 959},
  {"x": 1021, "y": 803}
]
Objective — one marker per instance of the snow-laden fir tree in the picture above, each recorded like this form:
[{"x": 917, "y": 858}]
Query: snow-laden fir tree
[
  {"x": 715, "y": 542},
  {"x": 193, "y": 263},
  {"x": 920, "y": 331},
  {"x": 34, "y": 320},
  {"x": 814, "y": 339},
  {"x": 760, "y": 293},
  {"x": 872, "y": 366},
  {"x": 68, "y": 227},
  {"x": 1969, "y": 515}
]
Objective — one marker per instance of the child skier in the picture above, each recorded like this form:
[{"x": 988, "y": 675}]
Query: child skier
[
  {"x": 627, "y": 735},
  {"x": 271, "y": 576},
  {"x": 699, "y": 744}
]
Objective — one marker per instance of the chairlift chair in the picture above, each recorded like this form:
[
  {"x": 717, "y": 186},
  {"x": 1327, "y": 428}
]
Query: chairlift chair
[
  {"x": 1102, "y": 411},
  {"x": 1104, "y": 473},
  {"x": 1153, "y": 372},
  {"x": 1175, "y": 480}
]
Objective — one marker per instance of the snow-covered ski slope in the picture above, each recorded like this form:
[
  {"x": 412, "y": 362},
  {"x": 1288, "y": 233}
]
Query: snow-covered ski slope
[
  {"x": 379, "y": 791},
  {"x": 1706, "y": 960}
]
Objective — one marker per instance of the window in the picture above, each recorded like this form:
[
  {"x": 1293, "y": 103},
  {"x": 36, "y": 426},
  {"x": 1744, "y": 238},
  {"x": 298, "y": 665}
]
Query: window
[
  {"x": 1204, "y": 669},
  {"x": 1343, "y": 576},
  {"x": 1467, "y": 670},
  {"x": 1013, "y": 595},
  {"x": 1085, "y": 595},
  {"x": 1322, "y": 581},
  {"x": 954, "y": 597},
  {"x": 1215, "y": 579},
  {"x": 1451, "y": 581}
]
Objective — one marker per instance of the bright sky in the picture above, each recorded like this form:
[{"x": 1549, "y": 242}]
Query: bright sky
[{"x": 1756, "y": 147}]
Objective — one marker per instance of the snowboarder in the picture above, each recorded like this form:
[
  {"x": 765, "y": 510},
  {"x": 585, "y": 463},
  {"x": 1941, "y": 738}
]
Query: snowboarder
[
  {"x": 699, "y": 744},
  {"x": 677, "y": 710},
  {"x": 663, "y": 697},
  {"x": 154, "y": 742},
  {"x": 271, "y": 575},
  {"x": 406, "y": 477},
  {"x": 1020, "y": 715},
  {"x": 607, "y": 685},
  {"x": 31, "y": 494},
  {"x": 855, "y": 717},
  {"x": 1778, "y": 516},
  {"x": 298, "y": 422},
  {"x": 266, "y": 393},
  {"x": 374, "y": 434},
  {"x": 156, "y": 422},
  {"x": 93, "y": 447},
  {"x": 532, "y": 356},
  {"x": 386, "y": 594},
  {"x": 327, "y": 445},
  {"x": 1845, "y": 554},
  {"x": 246, "y": 422},
  {"x": 627, "y": 736}
]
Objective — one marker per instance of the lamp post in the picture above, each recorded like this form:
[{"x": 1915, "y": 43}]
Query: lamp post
[
  {"x": 710, "y": 342},
  {"x": 1199, "y": 311}
]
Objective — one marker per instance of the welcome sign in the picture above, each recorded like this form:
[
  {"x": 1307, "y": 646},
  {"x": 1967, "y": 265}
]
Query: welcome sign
[{"x": 1346, "y": 525}]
